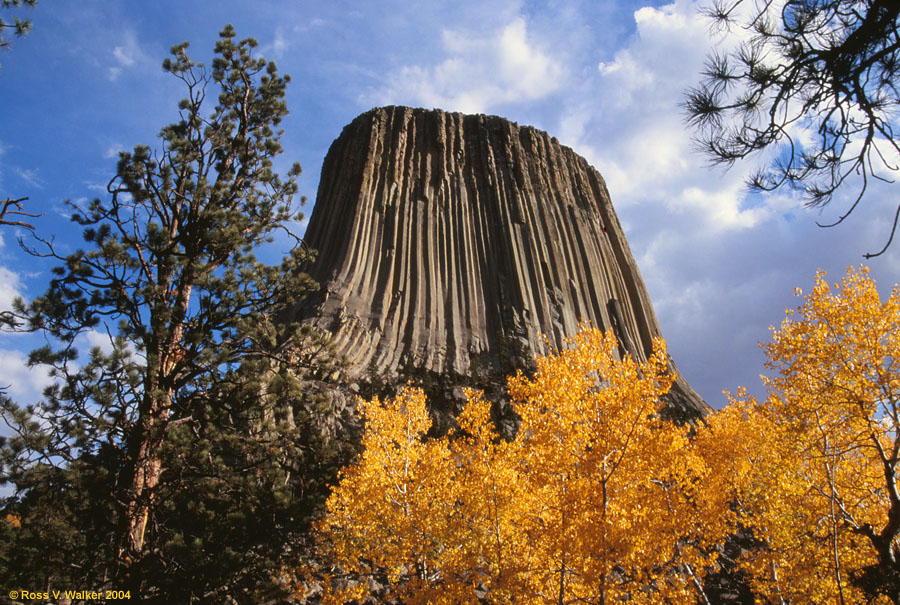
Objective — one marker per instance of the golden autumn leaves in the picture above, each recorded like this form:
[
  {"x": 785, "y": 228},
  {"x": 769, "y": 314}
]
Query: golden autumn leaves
[
  {"x": 815, "y": 466},
  {"x": 598, "y": 499}
]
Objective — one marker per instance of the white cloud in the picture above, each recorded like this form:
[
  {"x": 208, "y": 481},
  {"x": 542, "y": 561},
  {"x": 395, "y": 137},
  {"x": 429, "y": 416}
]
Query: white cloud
[
  {"x": 113, "y": 151},
  {"x": 720, "y": 263},
  {"x": 10, "y": 288},
  {"x": 280, "y": 44},
  {"x": 720, "y": 206},
  {"x": 30, "y": 176},
  {"x": 637, "y": 137},
  {"x": 661, "y": 53},
  {"x": 284, "y": 40},
  {"x": 126, "y": 55},
  {"x": 22, "y": 383},
  {"x": 95, "y": 338},
  {"x": 478, "y": 72}
]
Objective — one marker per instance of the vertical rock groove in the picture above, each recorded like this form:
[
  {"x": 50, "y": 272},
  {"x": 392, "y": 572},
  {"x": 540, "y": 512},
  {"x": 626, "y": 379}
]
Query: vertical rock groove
[{"x": 448, "y": 241}]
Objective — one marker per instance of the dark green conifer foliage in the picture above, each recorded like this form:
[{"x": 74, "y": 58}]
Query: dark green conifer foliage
[
  {"x": 183, "y": 462},
  {"x": 18, "y": 26}
]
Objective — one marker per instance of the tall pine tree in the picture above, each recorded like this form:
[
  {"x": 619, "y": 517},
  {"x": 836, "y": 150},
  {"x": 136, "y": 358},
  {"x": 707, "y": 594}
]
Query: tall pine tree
[{"x": 194, "y": 434}]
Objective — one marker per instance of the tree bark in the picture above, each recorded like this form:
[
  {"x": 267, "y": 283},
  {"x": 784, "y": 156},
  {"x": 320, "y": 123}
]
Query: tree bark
[
  {"x": 146, "y": 442},
  {"x": 142, "y": 479}
]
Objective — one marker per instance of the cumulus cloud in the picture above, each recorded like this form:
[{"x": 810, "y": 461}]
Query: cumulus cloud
[
  {"x": 22, "y": 383},
  {"x": 639, "y": 91},
  {"x": 478, "y": 72},
  {"x": 636, "y": 134},
  {"x": 95, "y": 338},
  {"x": 720, "y": 263}
]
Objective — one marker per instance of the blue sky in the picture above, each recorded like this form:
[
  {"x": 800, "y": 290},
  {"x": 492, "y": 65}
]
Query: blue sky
[{"x": 604, "y": 77}]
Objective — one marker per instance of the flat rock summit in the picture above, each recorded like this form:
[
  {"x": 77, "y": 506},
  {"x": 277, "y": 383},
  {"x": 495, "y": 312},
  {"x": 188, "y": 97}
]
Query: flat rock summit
[{"x": 450, "y": 245}]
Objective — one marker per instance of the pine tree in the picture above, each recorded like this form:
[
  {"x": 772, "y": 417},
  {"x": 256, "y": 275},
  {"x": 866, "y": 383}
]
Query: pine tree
[
  {"x": 814, "y": 84},
  {"x": 196, "y": 420},
  {"x": 18, "y": 26}
]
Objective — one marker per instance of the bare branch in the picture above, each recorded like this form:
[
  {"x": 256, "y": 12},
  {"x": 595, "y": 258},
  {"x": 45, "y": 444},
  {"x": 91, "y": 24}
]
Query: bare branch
[{"x": 11, "y": 207}]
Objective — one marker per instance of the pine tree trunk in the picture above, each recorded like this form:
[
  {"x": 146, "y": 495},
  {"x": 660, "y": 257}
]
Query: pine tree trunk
[
  {"x": 141, "y": 480},
  {"x": 145, "y": 478},
  {"x": 153, "y": 418},
  {"x": 146, "y": 467}
]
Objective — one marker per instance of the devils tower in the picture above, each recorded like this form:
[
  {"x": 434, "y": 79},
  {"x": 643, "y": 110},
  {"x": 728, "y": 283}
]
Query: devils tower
[{"x": 449, "y": 245}]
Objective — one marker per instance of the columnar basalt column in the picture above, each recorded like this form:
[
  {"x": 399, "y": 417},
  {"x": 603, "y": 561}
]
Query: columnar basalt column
[{"x": 449, "y": 243}]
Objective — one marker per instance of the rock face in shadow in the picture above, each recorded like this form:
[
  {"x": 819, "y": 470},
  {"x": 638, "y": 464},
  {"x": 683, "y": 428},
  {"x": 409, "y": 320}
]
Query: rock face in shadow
[{"x": 449, "y": 245}]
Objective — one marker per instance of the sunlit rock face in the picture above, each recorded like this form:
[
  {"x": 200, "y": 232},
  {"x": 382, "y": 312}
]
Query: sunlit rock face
[{"x": 450, "y": 245}]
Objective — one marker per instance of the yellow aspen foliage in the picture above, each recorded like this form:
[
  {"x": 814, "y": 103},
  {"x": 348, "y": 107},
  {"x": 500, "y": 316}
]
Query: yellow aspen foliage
[
  {"x": 812, "y": 470},
  {"x": 591, "y": 502},
  {"x": 606, "y": 476},
  {"x": 491, "y": 492},
  {"x": 395, "y": 505},
  {"x": 13, "y": 520}
]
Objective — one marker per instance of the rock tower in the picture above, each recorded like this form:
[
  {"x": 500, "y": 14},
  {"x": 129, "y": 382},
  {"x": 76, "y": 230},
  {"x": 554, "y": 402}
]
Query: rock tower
[{"x": 449, "y": 245}]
